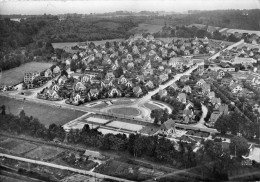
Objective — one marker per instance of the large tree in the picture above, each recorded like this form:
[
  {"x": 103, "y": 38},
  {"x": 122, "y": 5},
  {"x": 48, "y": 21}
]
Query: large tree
[{"x": 238, "y": 146}]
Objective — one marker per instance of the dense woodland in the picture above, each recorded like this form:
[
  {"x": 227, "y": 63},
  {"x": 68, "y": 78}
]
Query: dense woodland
[
  {"x": 25, "y": 41},
  {"x": 238, "y": 19}
]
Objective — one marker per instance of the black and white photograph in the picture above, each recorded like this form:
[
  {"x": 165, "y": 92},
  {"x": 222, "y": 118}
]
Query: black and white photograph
[{"x": 129, "y": 90}]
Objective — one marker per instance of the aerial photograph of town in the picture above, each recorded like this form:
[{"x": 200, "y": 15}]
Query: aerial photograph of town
[{"x": 120, "y": 91}]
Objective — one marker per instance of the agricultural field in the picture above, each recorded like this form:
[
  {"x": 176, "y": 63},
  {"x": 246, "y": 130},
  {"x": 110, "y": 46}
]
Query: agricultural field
[
  {"x": 44, "y": 153},
  {"x": 14, "y": 76},
  {"x": 45, "y": 113},
  {"x": 143, "y": 27}
]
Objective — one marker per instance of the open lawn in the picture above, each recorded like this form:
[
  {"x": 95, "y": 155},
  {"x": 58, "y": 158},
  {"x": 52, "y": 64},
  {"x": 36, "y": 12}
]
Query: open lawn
[
  {"x": 151, "y": 106},
  {"x": 46, "y": 114},
  {"x": 143, "y": 27},
  {"x": 15, "y": 75},
  {"x": 44, "y": 153}
]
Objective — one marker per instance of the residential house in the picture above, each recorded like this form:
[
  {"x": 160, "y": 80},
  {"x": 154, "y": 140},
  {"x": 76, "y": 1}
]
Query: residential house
[
  {"x": 130, "y": 65},
  {"x": 181, "y": 97},
  {"x": 30, "y": 76},
  {"x": 205, "y": 88},
  {"x": 186, "y": 52},
  {"x": 62, "y": 80},
  {"x": 93, "y": 92},
  {"x": 114, "y": 91},
  {"x": 235, "y": 88},
  {"x": 84, "y": 79},
  {"x": 76, "y": 97},
  {"x": 174, "y": 86},
  {"x": 168, "y": 128},
  {"x": 140, "y": 78},
  {"x": 137, "y": 91},
  {"x": 107, "y": 83},
  {"x": 184, "y": 78},
  {"x": 161, "y": 68},
  {"x": 149, "y": 84},
  {"x": 148, "y": 71},
  {"x": 122, "y": 80},
  {"x": 223, "y": 109},
  {"x": 168, "y": 71},
  {"x": 187, "y": 115},
  {"x": 129, "y": 83},
  {"x": 162, "y": 93},
  {"x": 48, "y": 73},
  {"x": 215, "y": 115},
  {"x": 56, "y": 70},
  {"x": 55, "y": 87},
  {"x": 79, "y": 87},
  {"x": 186, "y": 89},
  {"x": 163, "y": 77},
  {"x": 211, "y": 95},
  {"x": 221, "y": 73},
  {"x": 226, "y": 81},
  {"x": 189, "y": 105},
  {"x": 215, "y": 101},
  {"x": 200, "y": 82},
  {"x": 52, "y": 94},
  {"x": 110, "y": 75}
]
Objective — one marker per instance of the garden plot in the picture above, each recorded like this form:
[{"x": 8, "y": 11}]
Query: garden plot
[
  {"x": 24, "y": 147},
  {"x": 9, "y": 144},
  {"x": 44, "y": 153},
  {"x": 126, "y": 126},
  {"x": 106, "y": 131},
  {"x": 97, "y": 120}
]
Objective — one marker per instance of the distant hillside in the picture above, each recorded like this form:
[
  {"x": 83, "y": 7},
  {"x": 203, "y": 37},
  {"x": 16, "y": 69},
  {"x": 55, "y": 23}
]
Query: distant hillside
[{"x": 235, "y": 19}]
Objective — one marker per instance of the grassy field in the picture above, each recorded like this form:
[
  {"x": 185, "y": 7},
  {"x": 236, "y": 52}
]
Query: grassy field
[
  {"x": 46, "y": 114},
  {"x": 143, "y": 27},
  {"x": 151, "y": 106},
  {"x": 15, "y": 75},
  {"x": 44, "y": 153}
]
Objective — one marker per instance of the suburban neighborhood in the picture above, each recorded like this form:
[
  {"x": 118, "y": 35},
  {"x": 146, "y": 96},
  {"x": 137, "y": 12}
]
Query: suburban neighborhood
[{"x": 173, "y": 104}]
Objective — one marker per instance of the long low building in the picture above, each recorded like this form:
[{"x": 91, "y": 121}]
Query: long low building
[{"x": 243, "y": 60}]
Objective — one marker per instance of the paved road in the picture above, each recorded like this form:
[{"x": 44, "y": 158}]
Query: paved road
[
  {"x": 91, "y": 173},
  {"x": 228, "y": 48},
  {"x": 167, "y": 84}
]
